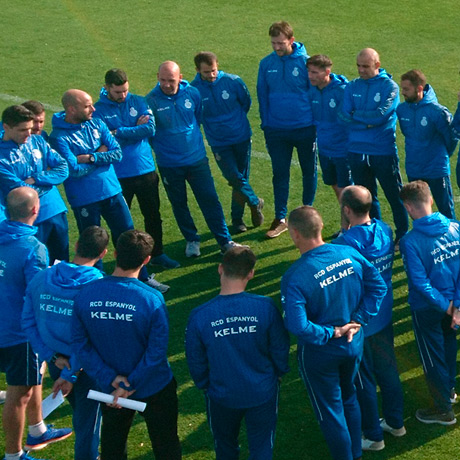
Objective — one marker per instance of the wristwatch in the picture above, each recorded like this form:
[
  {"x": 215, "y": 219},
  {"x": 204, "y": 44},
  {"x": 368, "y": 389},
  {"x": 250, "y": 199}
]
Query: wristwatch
[{"x": 92, "y": 158}]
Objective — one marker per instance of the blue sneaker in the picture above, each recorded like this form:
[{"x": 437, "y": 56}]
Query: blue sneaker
[
  {"x": 51, "y": 435},
  {"x": 25, "y": 456},
  {"x": 164, "y": 261}
]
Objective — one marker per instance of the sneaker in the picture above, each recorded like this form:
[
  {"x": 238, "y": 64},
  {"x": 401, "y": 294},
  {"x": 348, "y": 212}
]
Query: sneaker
[
  {"x": 277, "y": 227},
  {"x": 256, "y": 214},
  {"x": 26, "y": 456},
  {"x": 238, "y": 226},
  {"x": 192, "y": 249},
  {"x": 397, "y": 432},
  {"x": 453, "y": 396},
  {"x": 48, "y": 437},
  {"x": 230, "y": 245},
  {"x": 164, "y": 261},
  {"x": 152, "y": 282},
  {"x": 434, "y": 416},
  {"x": 2, "y": 396},
  {"x": 367, "y": 444}
]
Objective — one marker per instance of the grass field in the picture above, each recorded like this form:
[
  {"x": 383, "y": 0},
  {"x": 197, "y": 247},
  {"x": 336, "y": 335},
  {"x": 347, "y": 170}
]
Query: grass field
[{"x": 51, "y": 46}]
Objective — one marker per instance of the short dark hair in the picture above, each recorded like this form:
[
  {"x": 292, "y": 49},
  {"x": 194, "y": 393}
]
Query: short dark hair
[
  {"x": 281, "y": 27},
  {"x": 307, "y": 221},
  {"x": 359, "y": 203},
  {"x": 416, "y": 77},
  {"x": 320, "y": 60},
  {"x": 205, "y": 56},
  {"x": 35, "y": 107},
  {"x": 15, "y": 114},
  {"x": 133, "y": 246},
  {"x": 92, "y": 242},
  {"x": 238, "y": 262},
  {"x": 115, "y": 77},
  {"x": 416, "y": 193}
]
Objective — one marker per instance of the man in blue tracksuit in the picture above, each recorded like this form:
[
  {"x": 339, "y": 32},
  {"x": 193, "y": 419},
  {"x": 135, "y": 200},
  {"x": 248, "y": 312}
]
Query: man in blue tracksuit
[
  {"x": 369, "y": 110},
  {"x": 181, "y": 156},
  {"x": 226, "y": 102},
  {"x": 46, "y": 320},
  {"x": 431, "y": 256},
  {"x": 429, "y": 139},
  {"x": 374, "y": 240},
  {"x": 286, "y": 118},
  {"x": 132, "y": 124},
  {"x": 326, "y": 95},
  {"x": 327, "y": 295},
  {"x": 38, "y": 110},
  {"x": 28, "y": 160},
  {"x": 237, "y": 349},
  {"x": 120, "y": 306}
]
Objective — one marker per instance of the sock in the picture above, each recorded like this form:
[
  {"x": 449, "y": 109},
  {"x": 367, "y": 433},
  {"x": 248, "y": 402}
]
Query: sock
[
  {"x": 37, "y": 430},
  {"x": 14, "y": 456}
]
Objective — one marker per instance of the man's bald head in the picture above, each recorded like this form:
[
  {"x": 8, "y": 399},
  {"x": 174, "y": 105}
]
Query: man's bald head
[
  {"x": 23, "y": 204},
  {"x": 78, "y": 106},
  {"x": 368, "y": 62},
  {"x": 358, "y": 199},
  {"x": 169, "y": 77}
]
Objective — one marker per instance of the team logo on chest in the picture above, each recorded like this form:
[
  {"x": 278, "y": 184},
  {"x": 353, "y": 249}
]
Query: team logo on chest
[
  {"x": 96, "y": 134},
  {"x": 187, "y": 104},
  {"x": 332, "y": 103},
  {"x": 295, "y": 72},
  {"x": 423, "y": 121},
  {"x": 133, "y": 112},
  {"x": 377, "y": 97},
  {"x": 225, "y": 94}
]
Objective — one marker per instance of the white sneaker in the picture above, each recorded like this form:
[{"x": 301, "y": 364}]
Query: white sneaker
[
  {"x": 192, "y": 249},
  {"x": 152, "y": 282},
  {"x": 2, "y": 396},
  {"x": 230, "y": 245},
  {"x": 367, "y": 444},
  {"x": 397, "y": 432},
  {"x": 453, "y": 396}
]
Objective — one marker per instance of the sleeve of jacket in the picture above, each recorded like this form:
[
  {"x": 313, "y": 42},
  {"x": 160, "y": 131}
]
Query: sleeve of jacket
[
  {"x": 196, "y": 96},
  {"x": 418, "y": 276},
  {"x": 443, "y": 125},
  {"x": 8, "y": 178},
  {"x": 375, "y": 289},
  {"x": 113, "y": 154},
  {"x": 278, "y": 343},
  {"x": 55, "y": 169},
  {"x": 346, "y": 110},
  {"x": 37, "y": 260},
  {"x": 138, "y": 132},
  {"x": 456, "y": 123},
  {"x": 262, "y": 95},
  {"x": 195, "y": 352},
  {"x": 244, "y": 98}
]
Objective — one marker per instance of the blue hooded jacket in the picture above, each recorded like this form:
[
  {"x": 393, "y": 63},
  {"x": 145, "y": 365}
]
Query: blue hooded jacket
[
  {"x": 431, "y": 256},
  {"x": 178, "y": 140},
  {"x": 325, "y": 106},
  {"x": 48, "y": 308},
  {"x": 226, "y": 102},
  {"x": 429, "y": 138},
  {"x": 87, "y": 183},
  {"x": 22, "y": 256},
  {"x": 375, "y": 243},
  {"x": 369, "y": 110},
  {"x": 282, "y": 87},
  {"x": 133, "y": 138}
]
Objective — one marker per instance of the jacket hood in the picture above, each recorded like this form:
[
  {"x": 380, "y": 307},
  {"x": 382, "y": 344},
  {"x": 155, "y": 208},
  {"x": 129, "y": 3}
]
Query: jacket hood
[
  {"x": 158, "y": 92},
  {"x": 10, "y": 230},
  {"x": 337, "y": 79},
  {"x": 199, "y": 81},
  {"x": 68, "y": 275},
  {"x": 370, "y": 240},
  {"x": 382, "y": 74},
  {"x": 104, "y": 98},
  {"x": 58, "y": 121},
  {"x": 298, "y": 49},
  {"x": 429, "y": 95},
  {"x": 432, "y": 225}
]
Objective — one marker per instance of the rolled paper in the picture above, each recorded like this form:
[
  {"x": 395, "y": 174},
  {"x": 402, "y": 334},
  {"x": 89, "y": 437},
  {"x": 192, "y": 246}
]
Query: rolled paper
[{"x": 123, "y": 402}]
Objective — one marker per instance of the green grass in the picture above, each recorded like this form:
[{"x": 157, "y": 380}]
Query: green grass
[{"x": 50, "y": 46}]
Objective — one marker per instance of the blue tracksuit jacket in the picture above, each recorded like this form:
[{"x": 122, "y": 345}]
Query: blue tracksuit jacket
[
  {"x": 226, "y": 102},
  {"x": 237, "y": 347},
  {"x": 48, "y": 308},
  {"x": 21, "y": 257},
  {"x": 282, "y": 87},
  {"x": 34, "y": 159},
  {"x": 87, "y": 183},
  {"x": 120, "y": 327},
  {"x": 369, "y": 110},
  {"x": 429, "y": 138},
  {"x": 325, "y": 106},
  {"x": 431, "y": 256},
  {"x": 133, "y": 138},
  {"x": 375, "y": 243},
  {"x": 178, "y": 140},
  {"x": 329, "y": 286}
]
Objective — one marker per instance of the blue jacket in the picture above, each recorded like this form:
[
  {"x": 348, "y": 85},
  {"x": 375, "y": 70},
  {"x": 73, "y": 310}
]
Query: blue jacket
[
  {"x": 87, "y": 183},
  {"x": 375, "y": 243},
  {"x": 325, "y": 106},
  {"x": 429, "y": 138},
  {"x": 178, "y": 140},
  {"x": 22, "y": 256},
  {"x": 369, "y": 110},
  {"x": 282, "y": 87},
  {"x": 48, "y": 307},
  {"x": 2, "y": 212},
  {"x": 329, "y": 286},
  {"x": 34, "y": 159},
  {"x": 456, "y": 123},
  {"x": 226, "y": 102},
  {"x": 236, "y": 348},
  {"x": 120, "y": 327},
  {"x": 133, "y": 138},
  {"x": 431, "y": 256}
]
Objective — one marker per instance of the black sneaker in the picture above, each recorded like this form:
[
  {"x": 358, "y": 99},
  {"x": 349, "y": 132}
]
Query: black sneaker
[
  {"x": 238, "y": 226},
  {"x": 256, "y": 213},
  {"x": 434, "y": 416}
]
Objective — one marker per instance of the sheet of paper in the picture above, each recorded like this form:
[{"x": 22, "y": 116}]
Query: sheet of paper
[
  {"x": 49, "y": 404},
  {"x": 123, "y": 402}
]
